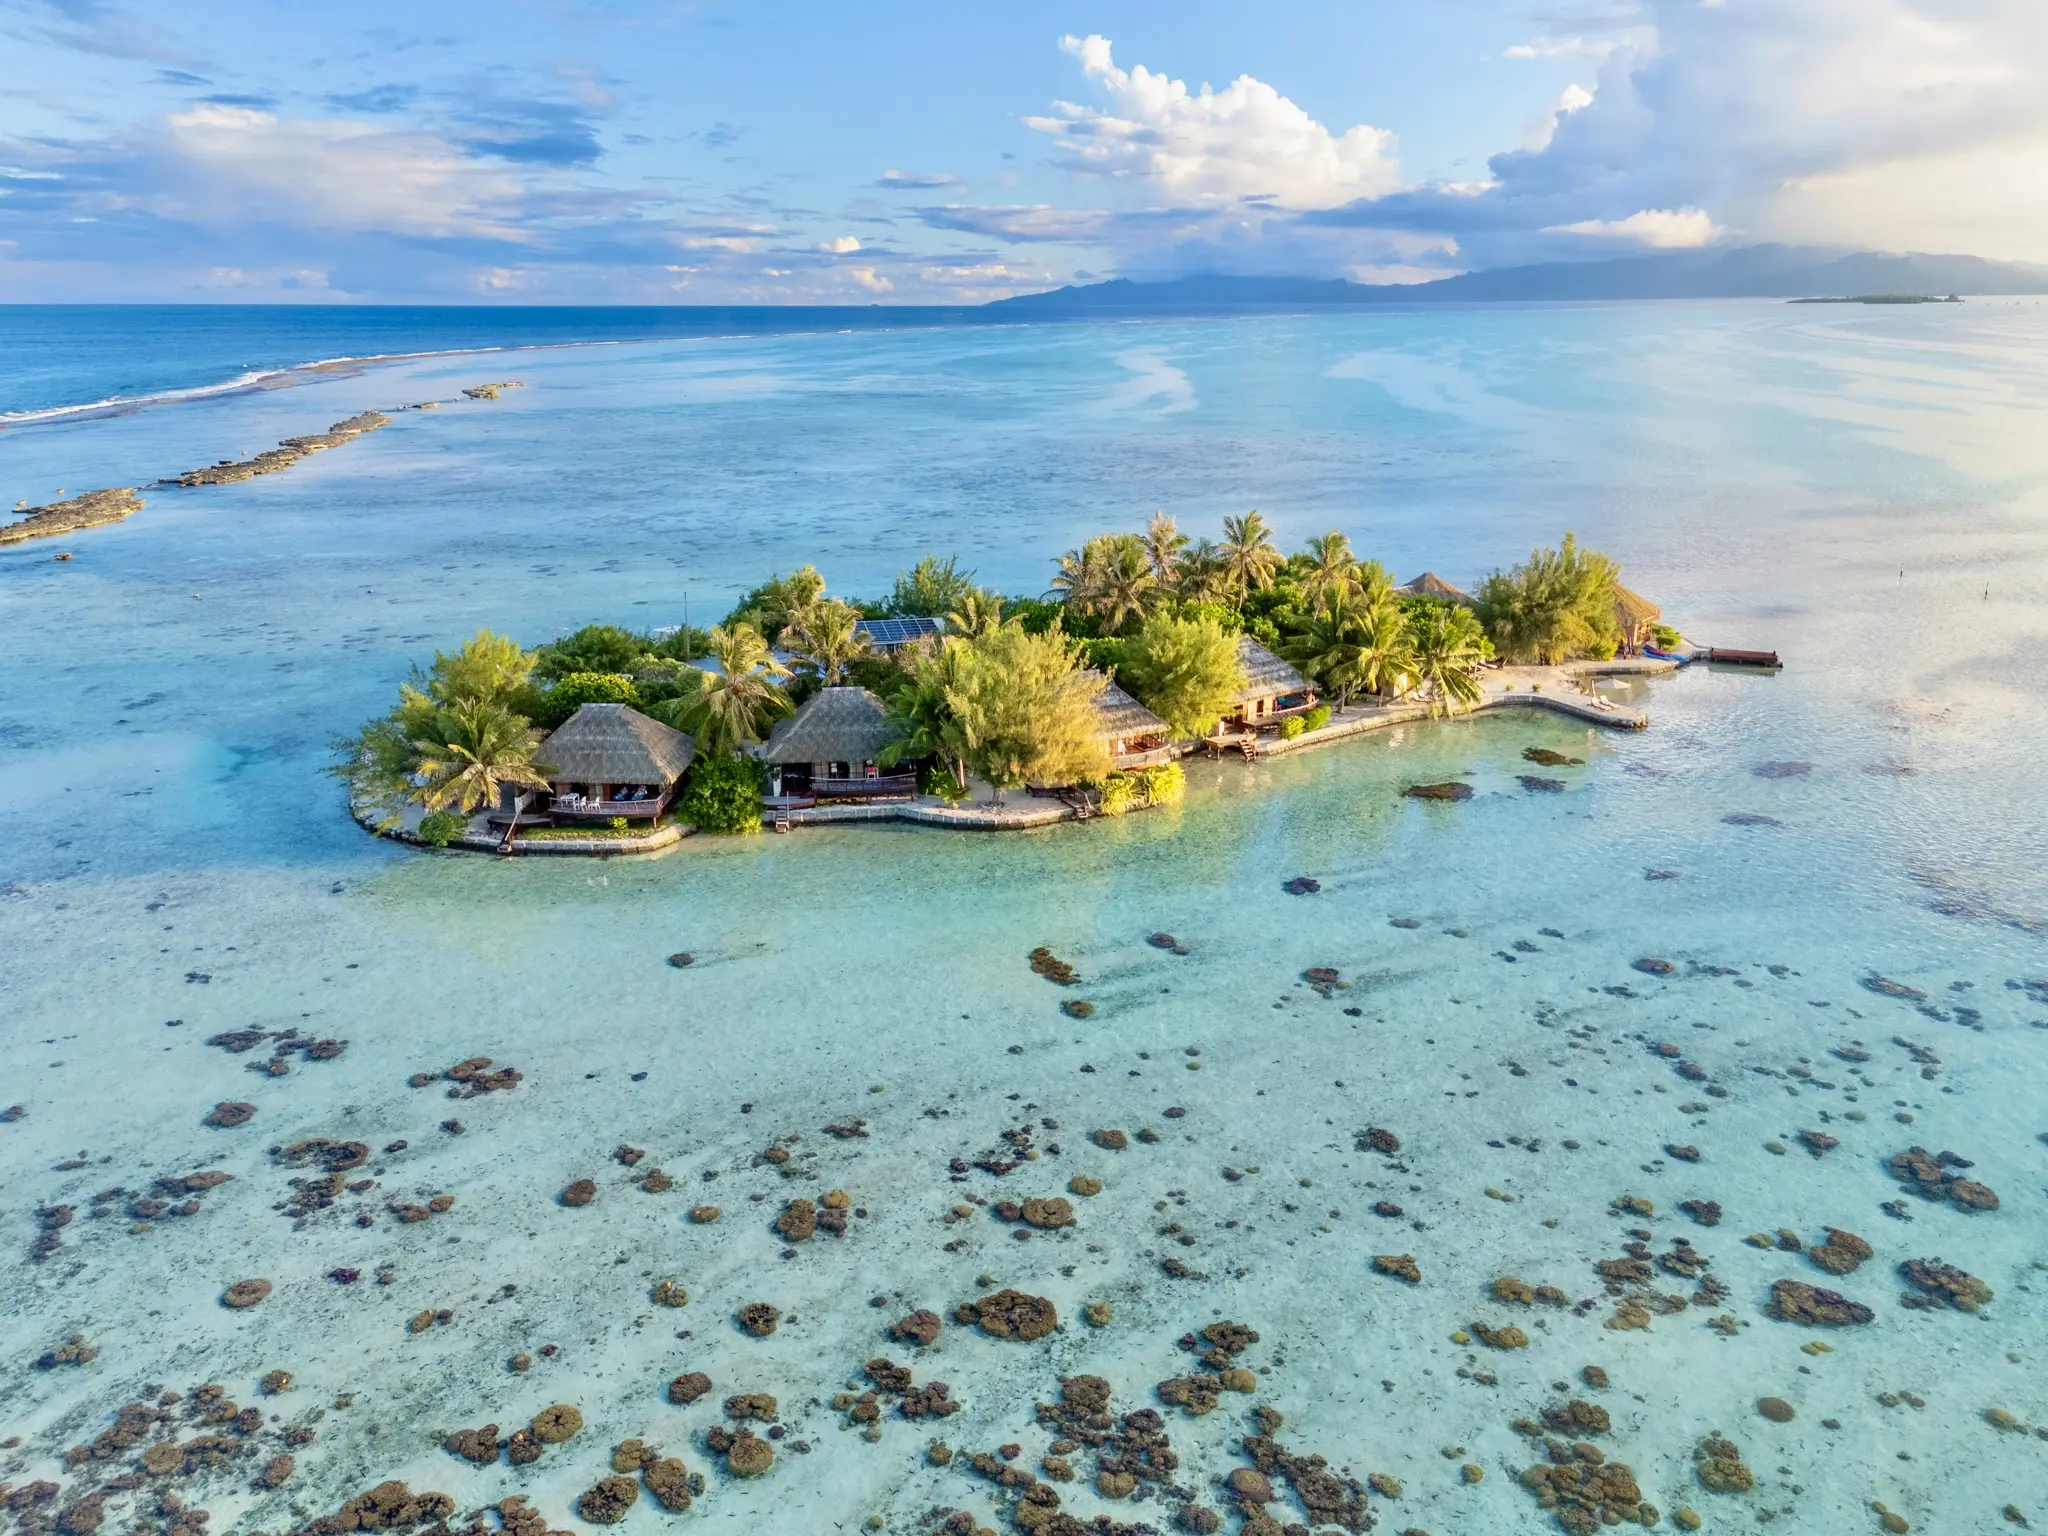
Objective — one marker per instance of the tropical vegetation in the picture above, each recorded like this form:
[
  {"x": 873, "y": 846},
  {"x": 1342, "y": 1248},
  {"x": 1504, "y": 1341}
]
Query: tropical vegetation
[{"x": 1006, "y": 693}]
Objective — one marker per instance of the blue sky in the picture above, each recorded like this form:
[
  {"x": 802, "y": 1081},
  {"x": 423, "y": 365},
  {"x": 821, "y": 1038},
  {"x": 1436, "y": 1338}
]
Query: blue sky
[{"x": 715, "y": 151}]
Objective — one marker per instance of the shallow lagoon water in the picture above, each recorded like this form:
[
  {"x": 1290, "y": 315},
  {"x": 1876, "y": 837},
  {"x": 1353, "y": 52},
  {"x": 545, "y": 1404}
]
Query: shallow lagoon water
[{"x": 1846, "y": 490}]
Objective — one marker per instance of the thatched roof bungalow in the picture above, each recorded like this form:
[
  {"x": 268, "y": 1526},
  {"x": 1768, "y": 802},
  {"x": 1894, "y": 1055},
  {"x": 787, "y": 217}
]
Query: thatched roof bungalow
[
  {"x": 611, "y": 760},
  {"x": 1136, "y": 737},
  {"x": 1272, "y": 688},
  {"x": 1433, "y": 586},
  {"x": 830, "y": 745},
  {"x": 1636, "y": 617}
]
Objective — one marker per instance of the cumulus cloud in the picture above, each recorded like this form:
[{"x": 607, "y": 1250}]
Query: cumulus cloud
[
  {"x": 1895, "y": 124},
  {"x": 236, "y": 162},
  {"x": 1207, "y": 148},
  {"x": 842, "y": 245},
  {"x": 1664, "y": 228}
]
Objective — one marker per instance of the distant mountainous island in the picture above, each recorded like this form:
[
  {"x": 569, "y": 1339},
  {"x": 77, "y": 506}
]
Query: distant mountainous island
[{"x": 1747, "y": 272}]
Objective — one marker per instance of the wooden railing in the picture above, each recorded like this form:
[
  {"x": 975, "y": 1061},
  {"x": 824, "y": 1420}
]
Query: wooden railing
[
  {"x": 853, "y": 789},
  {"x": 650, "y": 807}
]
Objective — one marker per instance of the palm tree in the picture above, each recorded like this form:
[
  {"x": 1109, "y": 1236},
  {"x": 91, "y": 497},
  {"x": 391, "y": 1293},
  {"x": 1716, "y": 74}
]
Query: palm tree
[
  {"x": 1356, "y": 642},
  {"x": 1249, "y": 555},
  {"x": 921, "y": 711},
  {"x": 1164, "y": 543},
  {"x": 1333, "y": 567},
  {"x": 1447, "y": 644},
  {"x": 1073, "y": 578},
  {"x": 475, "y": 749},
  {"x": 742, "y": 698},
  {"x": 827, "y": 632},
  {"x": 1204, "y": 576},
  {"x": 1122, "y": 586},
  {"x": 976, "y": 613}
]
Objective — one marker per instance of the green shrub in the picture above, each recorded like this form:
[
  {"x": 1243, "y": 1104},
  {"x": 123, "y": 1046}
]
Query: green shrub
[
  {"x": 618, "y": 823},
  {"x": 1103, "y": 655},
  {"x": 1141, "y": 787},
  {"x": 1290, "y": 728},
  {"x": 580, "y": 688},
  {"x": 724, "y": 795},
  {"x": 1119, "y": 794},
  {"x": 937, "y": 779},
  {"x": 1164, "y": 785},
  {"x": 1316, "y": 718},
  {"x": 440, "y": 828},
  {"x": 1665, "y": 636}
]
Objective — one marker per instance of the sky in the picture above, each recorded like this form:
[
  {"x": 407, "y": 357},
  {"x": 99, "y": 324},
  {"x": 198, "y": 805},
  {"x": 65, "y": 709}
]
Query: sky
[{"x": 818, "y": 151}]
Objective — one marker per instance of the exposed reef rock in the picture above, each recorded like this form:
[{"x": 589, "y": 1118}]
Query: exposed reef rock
[
  {"x": 668, "y": 1479},
  {"x": 472, "y": 1078},
  {"x": 389, "y": 1506},
  {"x": 1941, "y": 1285},
  {"x": 1792, "y": 1301},
  {"x": 1720, "y": 1467},
  {"x": 244, "y": 1293},
  {"x": 920, "y": 1328},
  {"x": 552, "y": 1426},
  {"x": 76, "y": 1352},
  {"x": 1930, "y": 1175},
  {"x": 688, "y": 1387},
  {"x": 608, "y": 1501},
  {"x": 88, "y": 511},
  {"x": 1841, "y": 1253},
  {"x": 284, "y": 456},
  {"x": 1446, "y": 791},
  {"x": 1049, "y": 965},
  {"x": 1010, "y": 1314}
]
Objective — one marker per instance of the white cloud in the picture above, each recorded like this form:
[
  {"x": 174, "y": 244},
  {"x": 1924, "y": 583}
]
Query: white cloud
[
  {"x": 1566, "y": 48},
  {"x": 1209, "y": 148},
  {"x": 1668, "y": 229},
  {"x": 916, "y": 180},
  {"x": 235, "y": 163},
  {"x": 1573, "y": 98},
  {"x": 842, "y": 245},
  {"x": 870, "y": 279},
  {"x": 738, "y": 245}
]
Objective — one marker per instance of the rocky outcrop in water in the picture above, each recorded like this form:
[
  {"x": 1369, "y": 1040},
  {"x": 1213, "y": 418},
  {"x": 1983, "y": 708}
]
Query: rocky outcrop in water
[
  {"x": 87, "y": 511},
  {"x": 283, "y": 456}
]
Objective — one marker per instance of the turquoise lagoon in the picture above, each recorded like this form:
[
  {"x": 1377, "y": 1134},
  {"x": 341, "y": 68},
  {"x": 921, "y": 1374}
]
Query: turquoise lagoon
[{"x": 1862, "y": 492}]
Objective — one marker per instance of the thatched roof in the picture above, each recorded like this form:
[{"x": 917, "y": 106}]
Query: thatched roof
[
  {"x": 614, "y": 744},
  {"x": 1633, "y": 609},
  {"x": 835, "y": 725},
  {"x": 1429, "y": 584},
  {"x": 1124, "y": 717},
  {"x": 1264, "y": 673}
]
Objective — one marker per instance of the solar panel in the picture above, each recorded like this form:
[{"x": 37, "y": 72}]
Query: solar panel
[{"x": 894, "y": 632}]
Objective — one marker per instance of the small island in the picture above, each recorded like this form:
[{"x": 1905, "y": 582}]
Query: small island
[
  {"x": 939, "y": 702},
  {"x": 1880, "y": 298}
]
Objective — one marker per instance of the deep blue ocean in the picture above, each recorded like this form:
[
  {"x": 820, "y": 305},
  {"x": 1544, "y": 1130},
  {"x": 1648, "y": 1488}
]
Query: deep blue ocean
[
  {"x": 55, "y": 357},
  {"x": 1843, "y": 869}
]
